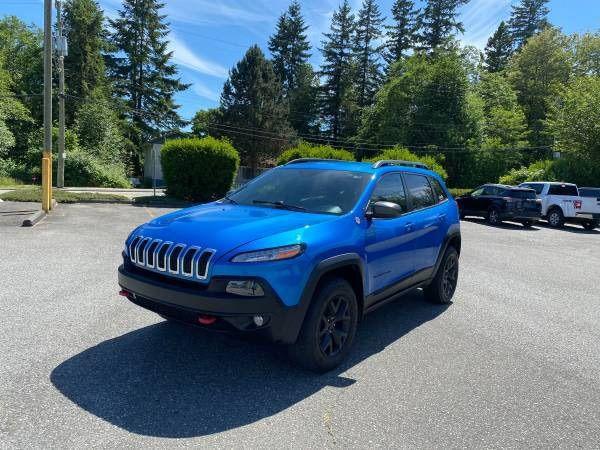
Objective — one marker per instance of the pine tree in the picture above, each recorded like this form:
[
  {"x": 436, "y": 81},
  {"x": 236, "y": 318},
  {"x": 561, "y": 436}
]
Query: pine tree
[
  {"x": 142, "y": 71},
  {"x": 498, "y": 49},
  {"x": 289, "y": 46},
  {"x": 254, "y": 113},
  {"x": 401, "y": 35},
  {"x": 367, "y": 52},
  {"x": 84, "y": 66},
  {"x": 338, "y": 103},
  {"x": 438, "y": 23},
  {"x": 527, "y": 19}
]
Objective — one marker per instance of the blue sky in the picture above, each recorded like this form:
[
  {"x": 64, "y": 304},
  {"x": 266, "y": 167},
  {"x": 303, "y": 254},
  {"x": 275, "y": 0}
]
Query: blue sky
[{"x": 209, "y": 36}]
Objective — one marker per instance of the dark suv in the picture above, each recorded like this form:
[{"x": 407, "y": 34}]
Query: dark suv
[
  {"x": 300, "y": 254},
  {"x": 498, "y": 202}
]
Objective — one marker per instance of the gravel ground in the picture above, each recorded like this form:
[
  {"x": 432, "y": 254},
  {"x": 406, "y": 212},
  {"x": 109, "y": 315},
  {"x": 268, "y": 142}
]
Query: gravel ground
[{"x": 513, "y": 362}]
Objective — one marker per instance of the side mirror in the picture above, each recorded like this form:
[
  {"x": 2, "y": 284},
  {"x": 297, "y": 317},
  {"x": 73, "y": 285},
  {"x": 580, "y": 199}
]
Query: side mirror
[{"x": 384, "y": 210}]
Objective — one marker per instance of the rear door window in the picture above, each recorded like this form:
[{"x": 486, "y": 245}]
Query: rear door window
[
  {"x": 522, "y": 194},
  {"x": 438, "y": 191},
  {"x": 589, "y": 192},
  {"x": 538, "y": 188},
  {"x": 419, "y": 190},
  {"x": 563, "y": 189}
]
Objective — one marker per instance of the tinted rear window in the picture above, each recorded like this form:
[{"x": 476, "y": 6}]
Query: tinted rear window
[
  {"x": 563, "y": 189},
  {"x": 589, "y": 192},
  {"x": 420, "y": 191},
  {"x": 538, "y": 188},
  {"x": 521, "y": 193}
]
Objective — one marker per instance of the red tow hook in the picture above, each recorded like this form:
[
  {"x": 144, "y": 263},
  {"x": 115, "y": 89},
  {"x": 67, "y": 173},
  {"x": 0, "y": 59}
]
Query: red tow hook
[
  {"x": 124, "y": 293},
  {"x": 206, "y": 320}
]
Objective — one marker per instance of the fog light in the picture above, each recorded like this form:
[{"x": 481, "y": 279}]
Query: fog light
[
  {"x": 259, "y": 321},
  {"x": 247, "y": 288}
]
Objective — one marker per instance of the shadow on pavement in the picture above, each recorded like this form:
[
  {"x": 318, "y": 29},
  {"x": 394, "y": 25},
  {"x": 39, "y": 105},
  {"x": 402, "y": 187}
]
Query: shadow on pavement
[
  {"x": 570, "y": 228},
  {"x": 505, "y": 225},
  {"x": 170, "y": 380}
]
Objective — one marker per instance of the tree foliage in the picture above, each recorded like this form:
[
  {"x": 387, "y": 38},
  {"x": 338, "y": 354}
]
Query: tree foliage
[
  {"x": 438, "y": 23},
  {"x": 308, "y": 150},
  {"x": 85, "y": 72},
  {"x": 498, "y": 49},
  {"x": 538, "y": 73},
  {"x": 337, "y": 90},
  {"x": 527, "y": 18},
  {"x": 368, "y": 31},
  {"x": 252, "y": 100},
  {"x": 404, "y": 154},
  {"x": 142, "y": 72},
  {"x": 401, "y": 35}
]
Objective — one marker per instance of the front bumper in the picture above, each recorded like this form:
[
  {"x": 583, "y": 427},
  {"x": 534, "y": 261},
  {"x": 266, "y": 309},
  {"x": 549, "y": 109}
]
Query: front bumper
[{"x": 188, "y": 301}]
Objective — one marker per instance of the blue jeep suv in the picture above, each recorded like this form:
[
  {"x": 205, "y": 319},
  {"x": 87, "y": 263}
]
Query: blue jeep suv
[{"x": 300, "y": 253}]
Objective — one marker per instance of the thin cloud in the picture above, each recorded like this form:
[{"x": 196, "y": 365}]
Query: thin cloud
[
  {"x": 184, "y": 56},
  {"x": 481, "y": 18}
]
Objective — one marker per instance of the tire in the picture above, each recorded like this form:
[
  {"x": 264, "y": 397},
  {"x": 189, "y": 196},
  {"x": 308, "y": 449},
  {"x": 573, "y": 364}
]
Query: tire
[
  {"x": 555, "y": 218},
  {"x": 527, "y": 223},
  {"x": 493, "y": 216},
  {"x": 442, "y": 288},
  {"x": 329, "y": 327},
  {"x": 591, "y": 225}
]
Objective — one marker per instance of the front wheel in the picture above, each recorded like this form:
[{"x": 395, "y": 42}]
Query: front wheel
[
  {"x": 556, "y": 218},
  {"x": 591, "y": 225},
  {"x": 493, "y": 216},
  {"x": 329, "y": 327},
  {"x": 441, "y": 290}
]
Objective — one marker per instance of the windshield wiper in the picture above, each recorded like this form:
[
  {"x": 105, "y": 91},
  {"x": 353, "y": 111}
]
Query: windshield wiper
[
  {"x": 279, "y": 204},
  {"x": 230, "y": 200}
]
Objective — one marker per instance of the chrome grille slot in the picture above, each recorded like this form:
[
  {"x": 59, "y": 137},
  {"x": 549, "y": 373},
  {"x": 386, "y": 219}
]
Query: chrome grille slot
[
  {"x": 151, "y": 253},
  {"x": 139, "y": 252},
  {"x": 203, "y": 262},
  {"x": 174, "y": 258},
  {"x": 161, "y": 256},
  {"x": 132, "y": 246},
  {"x": 188, "y": 261}
]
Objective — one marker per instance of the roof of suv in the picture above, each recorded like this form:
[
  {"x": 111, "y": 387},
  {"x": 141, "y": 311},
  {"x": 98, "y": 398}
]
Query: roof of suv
[{"x": 351, "y": 166}]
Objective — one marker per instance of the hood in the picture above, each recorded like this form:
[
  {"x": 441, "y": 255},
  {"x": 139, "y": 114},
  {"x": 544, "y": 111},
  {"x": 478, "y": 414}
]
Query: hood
[{"x": 224, "y": 227}]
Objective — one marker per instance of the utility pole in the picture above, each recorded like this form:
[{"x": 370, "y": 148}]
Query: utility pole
[
  {"x": 47, "y": 151},
  {"x": 61, "y": 49}
]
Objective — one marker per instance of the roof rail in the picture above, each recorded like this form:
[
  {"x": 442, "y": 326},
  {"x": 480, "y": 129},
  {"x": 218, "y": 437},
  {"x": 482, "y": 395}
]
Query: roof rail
[
  {"x": 309, "y": 160},
  {"x": 396, "y": 162}
]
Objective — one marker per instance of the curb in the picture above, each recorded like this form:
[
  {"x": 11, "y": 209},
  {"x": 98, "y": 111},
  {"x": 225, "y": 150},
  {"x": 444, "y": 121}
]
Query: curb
[
  {"x": 37, "y": 216},
  {"x": 34, "y": 218}
]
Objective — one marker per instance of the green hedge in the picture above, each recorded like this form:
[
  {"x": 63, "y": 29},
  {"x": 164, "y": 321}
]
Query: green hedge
[
  {"x": 306, "y": 150},
  {"x": 199, "y": 169},
  {"x": 403, "y": 154}
]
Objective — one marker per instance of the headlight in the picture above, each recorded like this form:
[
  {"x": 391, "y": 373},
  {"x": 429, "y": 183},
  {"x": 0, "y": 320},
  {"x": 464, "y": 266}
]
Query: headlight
[{"x": 271, "y": 254}]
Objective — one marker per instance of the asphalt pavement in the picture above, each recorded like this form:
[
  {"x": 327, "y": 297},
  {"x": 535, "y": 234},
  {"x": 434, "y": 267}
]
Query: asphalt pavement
[{"x": 513, "y": 362}]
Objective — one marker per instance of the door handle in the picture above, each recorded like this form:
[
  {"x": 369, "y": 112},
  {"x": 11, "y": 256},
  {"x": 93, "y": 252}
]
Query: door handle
[
  {"x": 441, "y": 218},
  {"x": 408, "y": 227}
]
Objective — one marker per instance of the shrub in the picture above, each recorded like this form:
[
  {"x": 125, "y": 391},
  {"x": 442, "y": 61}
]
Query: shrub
[
  {"x": 10, "y": 169},
  {"x": 82, "y": 169},
  {"x": 199, "y": 169},
  {"x": 537, "y": 171},
  {"x": 570, "y": 169},
  {"x": 403, "y": 154},
  {"x": 307, "y": 150}
]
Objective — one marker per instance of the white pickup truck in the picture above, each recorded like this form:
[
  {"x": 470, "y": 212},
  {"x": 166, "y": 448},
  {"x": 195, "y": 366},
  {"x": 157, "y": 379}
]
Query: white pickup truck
[{"x": 563, "y": 203}]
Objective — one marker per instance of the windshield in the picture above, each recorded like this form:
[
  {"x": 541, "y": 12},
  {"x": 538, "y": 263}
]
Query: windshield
[{"x": 305, "y": 190}]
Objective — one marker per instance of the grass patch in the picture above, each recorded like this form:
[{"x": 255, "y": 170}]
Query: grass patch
[
  {"x": 163, "y": 200},
  {"x": 456, "y": 192},
  {"x": 12, "y": 183},
  {"x": 34, "y": 194}
]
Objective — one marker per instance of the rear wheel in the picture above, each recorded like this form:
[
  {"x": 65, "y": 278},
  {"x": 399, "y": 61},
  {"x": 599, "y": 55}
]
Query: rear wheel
[
  {"x": 493, "y": 216},
  {"x": 441, "y": 290},
  {"x": 592, "y": 224},
  {"x": 556, "y": 218},
  {"x": 329, "y": 327}
]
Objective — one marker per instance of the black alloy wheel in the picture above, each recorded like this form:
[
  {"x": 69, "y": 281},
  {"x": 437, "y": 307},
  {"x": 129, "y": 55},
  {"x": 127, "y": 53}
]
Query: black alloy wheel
[{"x": 334, "y": 326}]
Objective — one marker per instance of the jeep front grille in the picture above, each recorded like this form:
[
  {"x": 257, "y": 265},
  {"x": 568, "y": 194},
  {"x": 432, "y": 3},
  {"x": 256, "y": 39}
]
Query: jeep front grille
[{"x": 168, "y": 257}]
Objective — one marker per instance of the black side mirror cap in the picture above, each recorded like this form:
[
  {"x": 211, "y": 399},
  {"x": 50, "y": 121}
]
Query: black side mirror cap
[{"x": 384, "y": 210}]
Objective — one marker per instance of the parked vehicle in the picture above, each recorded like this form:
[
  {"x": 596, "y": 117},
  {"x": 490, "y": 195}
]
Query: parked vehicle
[
  {"x": 498, "y": 202},
  {"x": 300, "y": 253},
  {"x": 562, "y": 203}
]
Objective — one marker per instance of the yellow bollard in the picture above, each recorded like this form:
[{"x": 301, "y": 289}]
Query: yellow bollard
[{"x": 45, "y": 182}]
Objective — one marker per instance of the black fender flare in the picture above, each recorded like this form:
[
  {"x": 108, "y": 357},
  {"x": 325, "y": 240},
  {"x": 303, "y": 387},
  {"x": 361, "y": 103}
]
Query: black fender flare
[
  {"x": 296, "y": 317},
  {"x": 452, "y": 236}
]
